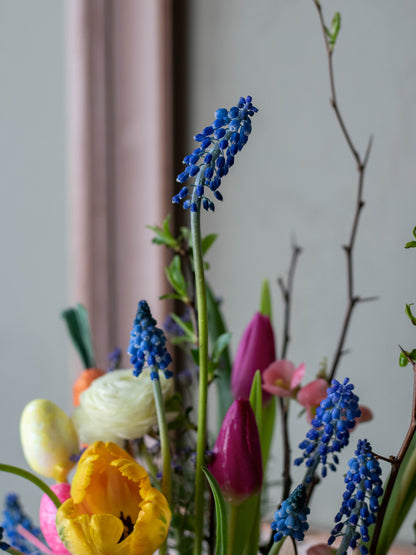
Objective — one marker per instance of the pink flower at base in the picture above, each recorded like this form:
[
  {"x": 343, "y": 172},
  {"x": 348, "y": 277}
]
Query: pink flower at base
[
  {"x": 47, "y": 517},
  {"x": 236, "y": 461},
  {"x": 311, "y": 395},
  {"x": 255, "y": 351},
  {"x": 281, "y": 378}
]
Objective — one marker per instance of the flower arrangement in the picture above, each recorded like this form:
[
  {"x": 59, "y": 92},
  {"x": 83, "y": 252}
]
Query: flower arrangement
[{"x": 135, "y": 471}]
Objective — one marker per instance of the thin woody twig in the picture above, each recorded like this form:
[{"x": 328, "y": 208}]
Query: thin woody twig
[{"x": 361, "y": 162}]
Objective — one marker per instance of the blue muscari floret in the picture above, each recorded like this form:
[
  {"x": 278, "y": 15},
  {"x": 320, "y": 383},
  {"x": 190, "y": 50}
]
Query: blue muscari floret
[
  {"x": 148, "y": 344},
  {"x": 290, "y": 518},
  {"x": 360, "y": 500},
  {"x": 330, "y": 431},
  {"x": 220, "y": 142},
  {"x": 12, "y": 516}
]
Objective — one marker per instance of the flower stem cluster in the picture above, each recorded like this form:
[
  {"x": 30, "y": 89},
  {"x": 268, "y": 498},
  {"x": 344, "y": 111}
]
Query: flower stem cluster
[
  {"x": 290, "y": 518},
  {"x": 219, "y": 144},
  {"x": 148, "y": 344},
  {"x": 330, "y": 432},
  {"x": 360, "y": 500}
]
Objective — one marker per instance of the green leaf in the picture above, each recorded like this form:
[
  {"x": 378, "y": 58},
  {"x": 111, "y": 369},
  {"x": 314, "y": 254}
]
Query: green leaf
[
  {"x": 267, "y": 429},
  {"x": 207, "y": 242},
  {"x": 216, "y": 328},
  {"x": 163, "y": 234},
  {"x": 78, "y": 325},
  {"x": 410, "y": 245},
  {"x": 266, "y": 300},
  {"x": 221, "y": 343},
  {"x": 256, "y": 399},
  {"x": 175, "y": 277},
  {"x": 186, "y": 327},
  {"x": 409, "y": 313},
  {"x": 401, "y": 500},
  {"x": 335, "y": 27},
  {"x": 221, "y": 545}
]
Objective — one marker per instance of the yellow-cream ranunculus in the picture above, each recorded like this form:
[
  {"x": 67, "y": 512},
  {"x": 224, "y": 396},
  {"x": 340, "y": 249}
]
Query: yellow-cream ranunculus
[
  {"x": 118, "y": 406},
  {"x": 113, "y": 509},
  {"x": 49, "y": 439}
]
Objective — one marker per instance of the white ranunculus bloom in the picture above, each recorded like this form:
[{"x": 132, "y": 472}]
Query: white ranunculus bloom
[{"x": 119, "y": 406}]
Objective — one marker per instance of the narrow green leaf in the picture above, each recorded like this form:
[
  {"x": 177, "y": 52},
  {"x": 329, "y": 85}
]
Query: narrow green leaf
[
  {"x": 266, "y": 300},
  {"x": 216, "y": 327},
  {"x": 221, "y": 343},
  {"x": 401, "y": 500},
  {"x": 207, "y": 242},
  {"x": 409, "y": 313},
  {"x": 78, "y": 326},
  {"x": 221, "y": 545},
  {"x": 267, "y": 429},
  {"x": 175, "y": 277},
  {"x": 163, "y": 234},
  {"x": 410, "y": 245},
  {"x": 256, "y": 399},
  {"x": 335, "y": 27},
  {"x": 186, "y": 327}
]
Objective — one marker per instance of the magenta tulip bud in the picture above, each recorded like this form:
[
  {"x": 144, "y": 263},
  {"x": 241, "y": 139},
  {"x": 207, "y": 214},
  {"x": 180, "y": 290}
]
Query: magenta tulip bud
[
  {"x": 236, "y": 461},
  {"x": 255, "y": 351}
]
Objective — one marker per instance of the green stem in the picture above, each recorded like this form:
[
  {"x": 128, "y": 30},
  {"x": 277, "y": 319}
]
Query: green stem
[
  {"x": 201, "y": 299},
  {"x": 32, "y": 478},
  {"x": 232, "y": 529},
  {"x": 14, "y": 551},
  {"x": 164, "y": 438},
  {"x": 276, "y": 547}
]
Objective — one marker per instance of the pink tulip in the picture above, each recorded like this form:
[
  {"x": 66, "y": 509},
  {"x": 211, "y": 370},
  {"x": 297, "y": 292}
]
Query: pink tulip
[
  {"x": 281, "y": 378},
  {"x": 311, "y": 395},
  {"x": 47, "y": 516},
  {"x": 255, "y": 351},
  {"x": 236, "y": 462}
]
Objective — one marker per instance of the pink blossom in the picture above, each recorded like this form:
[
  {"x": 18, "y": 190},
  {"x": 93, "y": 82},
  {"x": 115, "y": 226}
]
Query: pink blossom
[
  {"x": 311, "y": 395},
  {"x": 281, "y": 378}
]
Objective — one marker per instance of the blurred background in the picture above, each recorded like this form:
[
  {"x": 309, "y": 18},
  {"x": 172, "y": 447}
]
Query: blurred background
[{"x": 99, "y": 101}]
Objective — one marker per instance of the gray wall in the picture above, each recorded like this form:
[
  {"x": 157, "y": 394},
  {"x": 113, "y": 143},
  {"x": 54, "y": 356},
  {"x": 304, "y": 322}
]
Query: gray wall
[
  {"x": 296, "y": 177},
  {"x": 33, "y": 283}
]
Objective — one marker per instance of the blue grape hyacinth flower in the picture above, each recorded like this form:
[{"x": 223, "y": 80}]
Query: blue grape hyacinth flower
[
  {"x": 330, "y": 432},
  {"x": 220, "y": 142},
  {"x": 148, "y": 344},
  {"x": 291, "y": 517},
  {"x": 360, "y": 500},
  {"x": 13, "y": 515}
]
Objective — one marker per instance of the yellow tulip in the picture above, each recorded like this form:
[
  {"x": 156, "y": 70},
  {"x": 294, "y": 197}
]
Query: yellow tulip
[
  {"x": 113, "y": 509},
  {"x": 49, "y": 439}
]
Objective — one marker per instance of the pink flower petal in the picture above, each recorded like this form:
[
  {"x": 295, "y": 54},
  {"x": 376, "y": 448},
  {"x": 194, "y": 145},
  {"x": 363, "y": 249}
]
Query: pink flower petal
[
  {"x": 278, "y": 391},
  {"x": 297, "y": 376},
  {"x": 311, "y": 394}
]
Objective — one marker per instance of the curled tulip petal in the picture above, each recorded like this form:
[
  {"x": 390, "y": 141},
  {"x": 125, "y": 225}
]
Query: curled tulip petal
[
  {"x": 113, "y": 509},
  {"x": 47, "y": 517}
]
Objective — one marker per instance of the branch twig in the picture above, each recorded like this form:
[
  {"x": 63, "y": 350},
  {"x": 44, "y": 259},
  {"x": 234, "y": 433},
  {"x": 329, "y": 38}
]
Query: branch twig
[{"x": 361, "y": 162}]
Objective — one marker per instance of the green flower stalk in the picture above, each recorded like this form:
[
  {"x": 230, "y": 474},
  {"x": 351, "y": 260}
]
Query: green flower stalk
[{"x": 208, "y": 164}]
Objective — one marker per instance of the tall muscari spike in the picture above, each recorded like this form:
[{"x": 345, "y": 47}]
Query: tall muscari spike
[
  {"x": 211, "y": 161},
  {"x": 148, "y": 344},
  {"x": 360, "y": 500},
  {"x": 13, "y": 515},
  {"x": 330, "y": 432},
  {"x": 290, "y": 518}
]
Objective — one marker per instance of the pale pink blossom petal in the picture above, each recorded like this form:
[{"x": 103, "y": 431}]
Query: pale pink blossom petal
[
  {"x": 297, "y": 376},
  {"x": 311, "y": 394}
]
